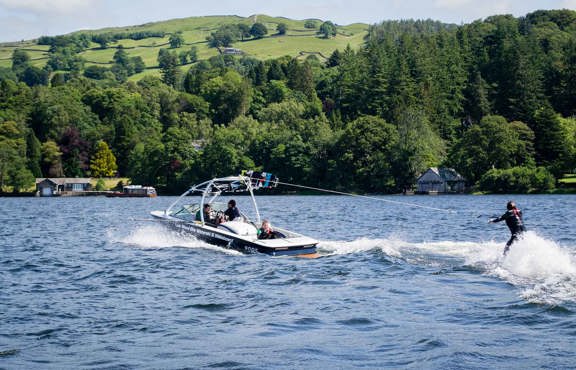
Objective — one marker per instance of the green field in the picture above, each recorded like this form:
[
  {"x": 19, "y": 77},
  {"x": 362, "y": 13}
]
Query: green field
[
  {"x": 110, "y": 182},
  {"x": 298, "y": 42},
  {"x": 568, "y": 179},
  {"x": 38, "y": 53}
]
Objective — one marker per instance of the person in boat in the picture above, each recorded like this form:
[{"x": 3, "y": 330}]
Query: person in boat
[
  {"x": 232, "y": 212},
  {"x": 513, "y": 218},
  {"x": 207, "y": 215},
  {"x": 265, "y": 231}
]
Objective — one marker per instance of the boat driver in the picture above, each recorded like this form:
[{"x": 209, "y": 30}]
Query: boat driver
[
  {"x": 207, "y": 215},
  {"x": 232, "y": 212}
]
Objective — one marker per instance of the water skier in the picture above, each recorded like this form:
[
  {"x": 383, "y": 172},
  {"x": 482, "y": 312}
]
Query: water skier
[{"x": 513, "y": 218}]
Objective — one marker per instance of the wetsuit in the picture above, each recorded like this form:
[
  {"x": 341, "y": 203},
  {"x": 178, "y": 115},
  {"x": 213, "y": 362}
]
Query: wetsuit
[
  {"x": 232, "y": 213},
  {"x": 513, "y": 218},
  {"x": 263, "y": 234}
]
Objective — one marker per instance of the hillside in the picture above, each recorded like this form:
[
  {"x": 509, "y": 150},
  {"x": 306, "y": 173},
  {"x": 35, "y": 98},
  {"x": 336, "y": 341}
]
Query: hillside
[{"x": 298, "y": 41}]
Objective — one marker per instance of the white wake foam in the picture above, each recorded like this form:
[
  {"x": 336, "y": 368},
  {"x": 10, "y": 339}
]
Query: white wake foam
[
  {"x": 542, "y": 270},
  {"x": 389, "y": 247},
  {"x": 157, "y": 236}
]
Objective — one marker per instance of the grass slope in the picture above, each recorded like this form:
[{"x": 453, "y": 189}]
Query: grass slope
[{"x": 298, "y": 41}]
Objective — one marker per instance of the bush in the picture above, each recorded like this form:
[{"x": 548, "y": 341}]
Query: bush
[
  {"x": 96, "y": 72},
  {"x": 517, "y": 180},
  {"x": 310, "y": 24},
  {"x": 100, "y": 185}
]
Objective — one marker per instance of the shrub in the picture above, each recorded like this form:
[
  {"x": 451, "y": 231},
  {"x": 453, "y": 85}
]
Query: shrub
[
  {"x": 100, "y": 185},
  {"x": 310, "y": 24},
  {"x": 517, "y": 180}
]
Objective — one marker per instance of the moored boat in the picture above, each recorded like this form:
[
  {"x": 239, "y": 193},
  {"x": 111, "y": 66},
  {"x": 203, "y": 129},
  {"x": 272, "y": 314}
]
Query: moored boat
[{"x": 134, "y": 191}]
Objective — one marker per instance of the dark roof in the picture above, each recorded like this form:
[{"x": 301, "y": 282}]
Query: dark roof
[
  {"x": 450, "y": 174},
  {"x": 64, "y": 180},
  {"x": 445, "y": 173}
]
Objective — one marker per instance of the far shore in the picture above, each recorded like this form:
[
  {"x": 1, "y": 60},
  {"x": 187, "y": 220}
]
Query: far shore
[{"x": 558, "y": 191}]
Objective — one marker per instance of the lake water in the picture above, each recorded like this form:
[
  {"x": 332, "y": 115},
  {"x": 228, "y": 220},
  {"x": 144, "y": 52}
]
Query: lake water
[{"x": 91, "y": 283}]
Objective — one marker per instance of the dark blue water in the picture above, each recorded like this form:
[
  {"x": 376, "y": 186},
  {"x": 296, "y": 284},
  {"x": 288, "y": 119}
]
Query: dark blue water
[{"x": 88, "y": 283}]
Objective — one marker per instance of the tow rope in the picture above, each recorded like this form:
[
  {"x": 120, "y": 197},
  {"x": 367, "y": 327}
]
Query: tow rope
[{"x": 366, "y": 197}]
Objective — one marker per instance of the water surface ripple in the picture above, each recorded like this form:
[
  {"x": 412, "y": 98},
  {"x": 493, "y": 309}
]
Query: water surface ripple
[{"x": 89, "y": 283}]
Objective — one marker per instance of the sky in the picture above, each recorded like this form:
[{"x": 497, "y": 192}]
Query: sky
[{"x": 28, "y": 19}]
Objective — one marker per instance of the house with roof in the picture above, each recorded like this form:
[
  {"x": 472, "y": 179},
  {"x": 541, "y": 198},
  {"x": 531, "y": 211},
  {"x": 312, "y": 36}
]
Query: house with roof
[
  {"x": 440, "y": 180},
  {"x": 47, "y": 187},
  {"x": 232, "y": 51}
]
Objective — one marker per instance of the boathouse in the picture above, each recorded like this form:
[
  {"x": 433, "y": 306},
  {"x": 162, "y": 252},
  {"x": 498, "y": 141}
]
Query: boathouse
[
  {"x": 47, "y": 187},
  {"x": 440, "y": 180}
]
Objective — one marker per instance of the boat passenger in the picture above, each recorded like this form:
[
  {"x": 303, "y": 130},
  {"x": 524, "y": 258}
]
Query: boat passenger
[
  {"x": 207, "y": 215},
  {"x": 232, "y": 212},
  {"x": 265, "y": 231},
  {"x": 513, "y": 218}
]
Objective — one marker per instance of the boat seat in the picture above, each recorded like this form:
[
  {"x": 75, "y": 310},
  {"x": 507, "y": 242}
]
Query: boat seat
[{"x": 238, "y": 227}]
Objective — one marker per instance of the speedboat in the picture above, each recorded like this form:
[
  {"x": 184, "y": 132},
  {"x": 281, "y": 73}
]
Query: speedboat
[{"x": 241, "y": 233}]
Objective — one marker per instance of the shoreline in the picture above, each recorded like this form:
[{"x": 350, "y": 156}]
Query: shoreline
[{"x": 561, "y": 191}]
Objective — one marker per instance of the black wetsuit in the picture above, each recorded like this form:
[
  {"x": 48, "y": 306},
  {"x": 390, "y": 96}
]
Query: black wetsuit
[{"x": 513, "y": 218}]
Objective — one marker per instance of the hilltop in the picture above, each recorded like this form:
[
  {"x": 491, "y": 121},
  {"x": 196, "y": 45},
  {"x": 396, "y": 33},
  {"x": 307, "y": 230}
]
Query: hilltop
[{"x": 298, "y": 41}]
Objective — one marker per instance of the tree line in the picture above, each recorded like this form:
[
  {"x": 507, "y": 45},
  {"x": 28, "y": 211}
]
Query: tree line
[
  {"x": 229, "y": 34},
  {"x": 494, "y": 99}
]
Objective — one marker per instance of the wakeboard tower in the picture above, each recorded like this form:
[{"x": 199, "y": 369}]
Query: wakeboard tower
[{"x": 241, "y": 233}]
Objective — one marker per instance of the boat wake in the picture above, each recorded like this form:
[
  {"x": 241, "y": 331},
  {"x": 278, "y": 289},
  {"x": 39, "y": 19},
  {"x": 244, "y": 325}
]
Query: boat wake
[
  {"x": 544, "y": 271},
  {"x": 157, "y": 236}
]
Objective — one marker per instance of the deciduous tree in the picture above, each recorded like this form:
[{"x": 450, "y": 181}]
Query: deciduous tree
[
  {"x": 365, "y": 155},
  {"x": 13, "y": 162},
  {"x": 52, "y": 160},
  {"x": 103, "y": 162},
  {"x": 418, "y": 147},
  {"x": 176, "y": 40},
  {"x": 20, "y": 61},
  {"x": 493, "y": 143},
  {"x": 281, "y": 28},
  {"x": 168, "y": 63},
  {"x": 258, "y": 30},
  {"x": 229, "y": 96},
  {"x": 327, "y": 30}
]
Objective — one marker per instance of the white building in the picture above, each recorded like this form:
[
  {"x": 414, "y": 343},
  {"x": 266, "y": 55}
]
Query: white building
[
  {"x": 440, "y": 180},
  {"x": 47, "y": 187}
]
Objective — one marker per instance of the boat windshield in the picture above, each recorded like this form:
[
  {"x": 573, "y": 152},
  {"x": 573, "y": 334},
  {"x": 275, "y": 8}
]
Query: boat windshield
[{"x": 188, "y": 211}]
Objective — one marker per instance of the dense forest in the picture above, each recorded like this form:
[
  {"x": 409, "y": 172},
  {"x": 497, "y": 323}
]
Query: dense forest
[{"x": 494, "y": 99}]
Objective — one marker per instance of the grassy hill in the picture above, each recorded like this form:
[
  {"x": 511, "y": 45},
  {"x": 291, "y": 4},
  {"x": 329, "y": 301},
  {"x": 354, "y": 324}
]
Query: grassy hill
[{"x": 297, "y": 42}]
